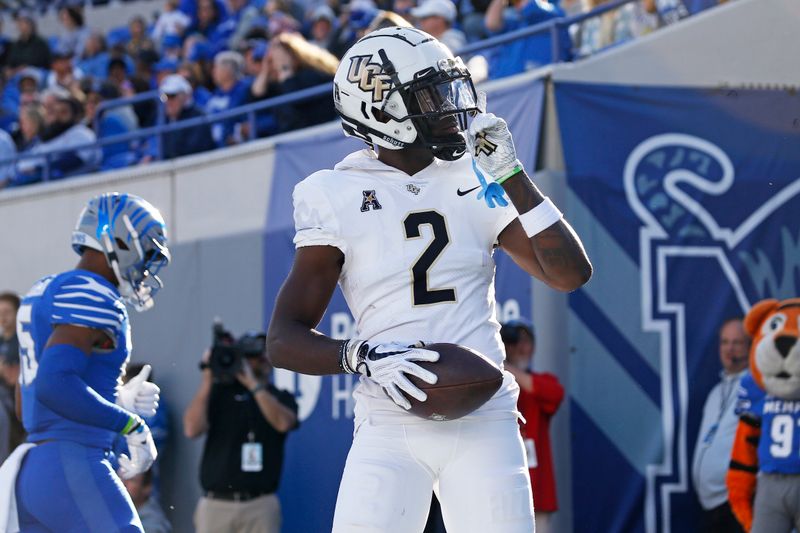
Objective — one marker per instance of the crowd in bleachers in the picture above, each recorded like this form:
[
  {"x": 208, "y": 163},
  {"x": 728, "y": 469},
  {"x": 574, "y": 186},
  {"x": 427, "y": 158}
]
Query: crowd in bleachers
[{"x": 200, "y": 57}]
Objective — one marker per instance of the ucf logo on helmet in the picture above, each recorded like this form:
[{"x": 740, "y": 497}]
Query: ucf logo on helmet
[{"x": 369, "y": 77}]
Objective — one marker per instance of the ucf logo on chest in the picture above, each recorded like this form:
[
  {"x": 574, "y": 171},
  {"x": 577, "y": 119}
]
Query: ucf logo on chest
[{"x": 369, "y": 77}]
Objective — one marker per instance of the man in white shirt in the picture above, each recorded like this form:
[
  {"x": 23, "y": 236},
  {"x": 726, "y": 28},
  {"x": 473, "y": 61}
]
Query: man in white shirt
[{"x": 712, "y": 452}]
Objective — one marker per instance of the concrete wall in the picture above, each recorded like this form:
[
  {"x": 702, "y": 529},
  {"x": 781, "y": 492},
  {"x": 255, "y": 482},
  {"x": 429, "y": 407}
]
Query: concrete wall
[{"x": 197, "y": 196}]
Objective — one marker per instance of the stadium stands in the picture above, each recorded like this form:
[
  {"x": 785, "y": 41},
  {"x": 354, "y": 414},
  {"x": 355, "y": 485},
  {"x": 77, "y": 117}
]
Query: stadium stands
[{"x": 237, "y": 57}]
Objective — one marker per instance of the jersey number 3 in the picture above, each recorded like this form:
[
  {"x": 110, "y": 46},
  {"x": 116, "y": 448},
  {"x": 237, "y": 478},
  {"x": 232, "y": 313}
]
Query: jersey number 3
[{"x": 421, "y": 293}]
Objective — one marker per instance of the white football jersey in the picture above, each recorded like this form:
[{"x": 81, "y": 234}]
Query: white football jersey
[{"x": 418, "y": 258}]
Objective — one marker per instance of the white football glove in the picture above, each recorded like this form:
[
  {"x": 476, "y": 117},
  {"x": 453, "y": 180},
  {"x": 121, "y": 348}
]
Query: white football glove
[
  {"x": 138, "y": 395},
  {"x": 388, "y": 364},
  {"x": 491, "y": 145},
  {"x": 141, "y": 448}
]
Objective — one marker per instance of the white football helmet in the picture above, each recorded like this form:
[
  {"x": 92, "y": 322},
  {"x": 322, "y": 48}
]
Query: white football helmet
[
  {"x": 132, "y": 235},
  {"x": 400, "y": 87}
]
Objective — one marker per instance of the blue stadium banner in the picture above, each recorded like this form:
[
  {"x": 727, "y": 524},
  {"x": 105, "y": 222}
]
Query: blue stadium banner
[
  {"x": 316, "y": 452},
  {"x": 687, "y": 200}
]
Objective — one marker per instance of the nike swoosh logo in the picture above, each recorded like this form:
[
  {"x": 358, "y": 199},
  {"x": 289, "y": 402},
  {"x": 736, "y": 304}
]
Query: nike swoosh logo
[{"x": 462, "y": 193}]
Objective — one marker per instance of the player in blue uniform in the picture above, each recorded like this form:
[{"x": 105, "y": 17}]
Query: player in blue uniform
[{"x": 74, "y": 345}]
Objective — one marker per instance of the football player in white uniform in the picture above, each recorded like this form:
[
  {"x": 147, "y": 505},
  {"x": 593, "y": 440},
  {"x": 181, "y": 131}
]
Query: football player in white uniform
[{"x": 413, "y": 255}]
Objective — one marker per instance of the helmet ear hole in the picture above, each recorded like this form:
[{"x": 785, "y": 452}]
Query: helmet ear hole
[
  {"x": 121, "y": 244},
  {"x": 380, "y": 116}
]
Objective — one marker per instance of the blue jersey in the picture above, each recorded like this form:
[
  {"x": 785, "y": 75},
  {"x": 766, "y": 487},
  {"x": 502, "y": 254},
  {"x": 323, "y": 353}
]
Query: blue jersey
[
  {"x": 779, "y": 446},
  {"x": 80, "y": 298}
]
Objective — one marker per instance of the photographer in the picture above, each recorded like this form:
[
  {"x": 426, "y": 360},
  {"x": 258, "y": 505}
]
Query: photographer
[{"x": 246, "y": 420}]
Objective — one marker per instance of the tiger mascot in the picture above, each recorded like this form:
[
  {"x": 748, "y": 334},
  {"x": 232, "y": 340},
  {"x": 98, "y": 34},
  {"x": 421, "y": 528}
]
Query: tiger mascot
[{"x": 764, "y": 475}]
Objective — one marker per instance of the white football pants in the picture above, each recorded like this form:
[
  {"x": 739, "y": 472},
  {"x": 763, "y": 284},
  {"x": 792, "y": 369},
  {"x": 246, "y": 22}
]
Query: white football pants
[{"x": 477, "y": 467}]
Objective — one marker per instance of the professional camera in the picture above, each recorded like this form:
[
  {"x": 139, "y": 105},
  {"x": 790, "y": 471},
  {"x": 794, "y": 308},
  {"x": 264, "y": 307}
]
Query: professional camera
[{"x": 227, "y": 352}]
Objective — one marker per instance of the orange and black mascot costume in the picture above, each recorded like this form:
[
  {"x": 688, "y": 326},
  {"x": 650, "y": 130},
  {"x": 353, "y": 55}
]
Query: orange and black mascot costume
[{"x": 764, "y": 475}]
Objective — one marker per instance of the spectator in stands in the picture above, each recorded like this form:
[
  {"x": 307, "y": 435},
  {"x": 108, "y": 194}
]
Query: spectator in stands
[
  {"x": 387, "y": 19},
  {"x": 176, "y": 94},
  {"x": 8, "y": 150},
  {"x": 437, "y": 17},
  {"x": 172, "y": 47},
  {"x": 140, "y": 489},
  {"x": 530, "y": 52},
  {"x": 171, "y": 21},
  {"x": 280, "y": 22},
  {"x": 261, "y": 88},
  {"x": 242, "y": 16},
  {"x": 196, "y": 75},
  {"x": 230, "y": 92},
  {"x": 114, "y": 121},
  {"x": 146, "y": 110},
  {"x": 29, "y": 50},
  {"x": 29, "y": 81},
  {"x": 635, "y": 19},
  {"x": 356, "y": 18},
  {"x": 284, "y": 9},
  {"x": 361, "y": 15},
  {"x": 207, "y": 21},
  {"x": 253, "y": 52},
  {"x": 138, "y": 37},
  {"x": 23, "y": 92},
  {"x": 472, "y": 14},
  {"x": 63, "y": 73},
  {"x": 118, "y": 76},
  {"x": 323, "y": 25},
  {"x": 11, "y": 431},
  {"x": 75, "y": 33},
  {"x": 5, "y": 44},
  {"x": 597, "y": 32},
  {"x": 94, "y": 60},
  {"x": 539, "y": 398},
  {"x": 165, "y": 67},
  {"x": 404, "y": 7},
  {"x": 63, "y": 130},
  {"x": 30, "y": 122},
  {"x": 9, "y": 344},
  {"x": 295, "y": 64}
]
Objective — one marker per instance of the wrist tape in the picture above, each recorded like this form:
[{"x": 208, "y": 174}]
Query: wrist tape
[
  {"x": 540, "y": 217},
  {"x": 348, "y": 355}
]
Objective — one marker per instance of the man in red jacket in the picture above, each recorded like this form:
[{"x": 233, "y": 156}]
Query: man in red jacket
[{"x": 539, "y": 399}]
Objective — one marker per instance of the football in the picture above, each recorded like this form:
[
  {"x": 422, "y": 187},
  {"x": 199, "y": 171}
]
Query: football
[{"x": 467, "y": 379}]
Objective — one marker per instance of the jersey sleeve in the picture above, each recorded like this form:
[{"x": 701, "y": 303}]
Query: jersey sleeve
[
  {"x": 315, "y": 221},
  {"x": 505, "y": 216},
  {"x": 83, "y": 301},
  {"x": 750, "y": 397}
]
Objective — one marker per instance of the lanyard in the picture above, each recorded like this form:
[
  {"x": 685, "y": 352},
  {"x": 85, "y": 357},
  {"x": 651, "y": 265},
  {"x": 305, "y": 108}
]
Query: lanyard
[{"x": 728, "y": 387}]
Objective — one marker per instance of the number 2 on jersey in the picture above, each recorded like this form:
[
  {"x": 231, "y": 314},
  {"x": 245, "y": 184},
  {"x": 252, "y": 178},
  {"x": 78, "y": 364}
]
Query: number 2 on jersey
[{"x": 421, "y": 293}]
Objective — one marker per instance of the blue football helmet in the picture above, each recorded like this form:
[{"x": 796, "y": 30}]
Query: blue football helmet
[{"x": 132, "y": 235}]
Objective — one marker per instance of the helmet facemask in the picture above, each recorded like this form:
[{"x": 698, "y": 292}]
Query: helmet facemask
[
  {"x": 138, "y": 276},
  {"x": 438, "y": 100}
]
